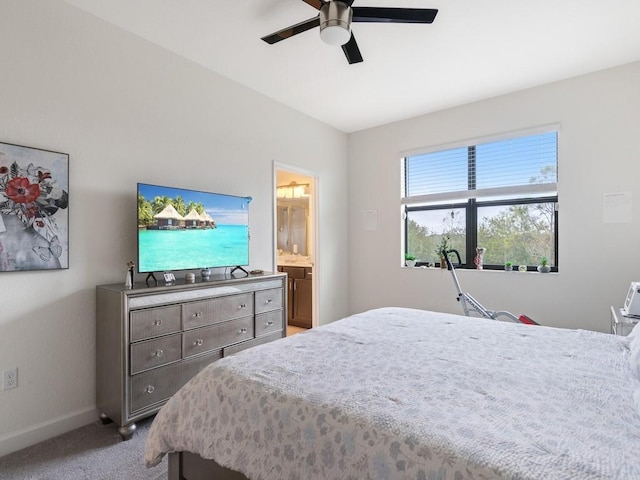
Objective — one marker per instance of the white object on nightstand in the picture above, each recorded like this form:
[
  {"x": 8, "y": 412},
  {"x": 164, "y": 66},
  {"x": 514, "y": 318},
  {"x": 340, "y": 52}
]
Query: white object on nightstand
[
  {"x": 622, "y": 324},
  {"x": 632, "y": 302}
]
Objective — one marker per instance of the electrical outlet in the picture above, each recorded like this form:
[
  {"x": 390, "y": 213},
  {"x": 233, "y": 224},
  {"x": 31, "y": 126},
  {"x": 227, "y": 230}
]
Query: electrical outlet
[{"x": 9, "y": 379}]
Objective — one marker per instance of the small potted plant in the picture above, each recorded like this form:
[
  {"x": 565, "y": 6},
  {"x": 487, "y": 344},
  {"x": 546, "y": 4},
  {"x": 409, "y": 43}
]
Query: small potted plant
[
  {"x": 409, "y": 260},
  {"x": 442, "y": 249},
  {"x": 544, "y": 266},
  {"x": 508, "y": 266}
]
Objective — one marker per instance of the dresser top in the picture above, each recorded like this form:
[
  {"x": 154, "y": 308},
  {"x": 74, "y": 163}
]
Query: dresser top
[{"x": 142, "y": 288}]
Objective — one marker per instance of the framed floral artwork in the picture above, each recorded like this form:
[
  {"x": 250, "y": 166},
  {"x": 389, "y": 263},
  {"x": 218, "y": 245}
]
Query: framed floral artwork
[{"x": 34, "y": 215}]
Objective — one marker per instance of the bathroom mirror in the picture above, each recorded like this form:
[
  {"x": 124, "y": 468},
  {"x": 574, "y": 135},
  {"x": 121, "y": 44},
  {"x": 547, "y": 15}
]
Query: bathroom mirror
[{"x": 292, "y": 222}]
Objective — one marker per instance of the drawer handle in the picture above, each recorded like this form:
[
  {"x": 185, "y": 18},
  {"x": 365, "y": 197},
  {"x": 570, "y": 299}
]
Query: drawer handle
[
  {"x": 268, "y": 301},
  {"x": 150, "y": 389},
  {"x": 158, "y": 323},
  {"x": 197, "y": 314},
  {"x": 269, "y": 323},
  {"x": 198, "y": 342},
  {"x": 243, "y": 330},
  {"x": 159, "y": 353}
]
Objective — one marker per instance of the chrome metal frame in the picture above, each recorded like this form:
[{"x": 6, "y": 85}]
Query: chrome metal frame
[{"x": 469, "y": 303}]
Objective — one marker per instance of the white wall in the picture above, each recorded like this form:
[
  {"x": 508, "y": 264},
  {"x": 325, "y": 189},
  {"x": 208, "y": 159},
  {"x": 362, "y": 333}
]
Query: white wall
[
  {"x": 127, "y": 111},
  {"x": 599, "y": 116}
]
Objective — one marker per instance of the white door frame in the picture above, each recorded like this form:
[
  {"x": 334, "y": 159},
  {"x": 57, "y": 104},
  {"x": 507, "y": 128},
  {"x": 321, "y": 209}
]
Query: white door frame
[{"x": 313, "y": 207}]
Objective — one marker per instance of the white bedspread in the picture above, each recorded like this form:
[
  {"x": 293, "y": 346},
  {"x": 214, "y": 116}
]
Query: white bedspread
[{"x": 399, "y": 393}]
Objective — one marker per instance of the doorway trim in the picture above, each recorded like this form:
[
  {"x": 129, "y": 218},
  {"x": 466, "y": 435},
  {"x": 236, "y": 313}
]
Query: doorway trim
[{"x": 315, "y": 237}]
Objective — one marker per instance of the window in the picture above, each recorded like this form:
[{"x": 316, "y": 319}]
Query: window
[{"x": 500, "y": 195}]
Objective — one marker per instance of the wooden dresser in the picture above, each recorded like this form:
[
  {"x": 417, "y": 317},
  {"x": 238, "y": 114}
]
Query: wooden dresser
[{"x": 151, "y": 340}]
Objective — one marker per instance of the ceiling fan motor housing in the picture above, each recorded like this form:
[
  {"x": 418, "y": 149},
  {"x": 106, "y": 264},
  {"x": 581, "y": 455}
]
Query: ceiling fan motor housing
[{"x": 335, "y": 23}]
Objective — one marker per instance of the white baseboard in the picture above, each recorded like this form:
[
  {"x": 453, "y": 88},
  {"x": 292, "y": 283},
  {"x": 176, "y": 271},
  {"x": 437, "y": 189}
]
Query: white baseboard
[{"x": 15, "y": 441}]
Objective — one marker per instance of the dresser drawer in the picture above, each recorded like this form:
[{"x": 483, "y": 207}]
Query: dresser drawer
[
  {"x": 153, "y": 322},
  {"x": 269, "y": 322},
  {"x": 200, "y": 340},
  {"x": 157, "y": 385},
  {"x": 156, "y": 352},
  {"x": 216, "y": 310},
  {"x": 267, "y": 300},
  {"x": 154, "y": 386},
  {"x": 238, "y": 347}
]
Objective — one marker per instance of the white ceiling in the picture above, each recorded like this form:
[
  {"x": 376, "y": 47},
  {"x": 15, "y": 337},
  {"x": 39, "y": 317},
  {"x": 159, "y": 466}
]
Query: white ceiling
[{"x": 474, "y": 50}]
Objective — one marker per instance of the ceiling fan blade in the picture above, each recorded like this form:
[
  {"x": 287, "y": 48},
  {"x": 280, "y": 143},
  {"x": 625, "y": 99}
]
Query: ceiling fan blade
[
  {"x": 394, "y": 15},
  {"x": 317, "y": 4},
  {"x": 292, "y": 30},
  {"x": 351, "y": 51}
]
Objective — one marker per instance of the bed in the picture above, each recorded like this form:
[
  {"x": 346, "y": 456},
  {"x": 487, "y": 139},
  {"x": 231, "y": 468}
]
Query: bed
[{"x": 399, "y": 393}]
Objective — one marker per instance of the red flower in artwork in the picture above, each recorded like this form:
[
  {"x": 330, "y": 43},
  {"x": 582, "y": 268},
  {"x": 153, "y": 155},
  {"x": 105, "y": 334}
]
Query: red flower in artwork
[{"x": 20, "y": 190}]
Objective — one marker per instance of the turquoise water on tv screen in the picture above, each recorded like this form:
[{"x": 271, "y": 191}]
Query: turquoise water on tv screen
[{"x": 168, "y": 250}]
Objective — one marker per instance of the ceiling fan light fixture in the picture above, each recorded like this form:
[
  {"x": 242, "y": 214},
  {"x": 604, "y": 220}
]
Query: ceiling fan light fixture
[
  {"x": 335, "y": 35},
  {"x": 335, "y": 23}
]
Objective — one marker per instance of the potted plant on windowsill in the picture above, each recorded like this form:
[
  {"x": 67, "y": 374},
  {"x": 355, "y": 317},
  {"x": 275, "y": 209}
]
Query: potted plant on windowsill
[
  {"x": 544, "y": 266},
  {"x": 409, "y": 260},
  {"x": 508, "y": 266},
  {"x": 442, "y": 249}
]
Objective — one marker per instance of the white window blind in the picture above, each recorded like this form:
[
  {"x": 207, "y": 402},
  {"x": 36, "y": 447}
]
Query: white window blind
[{"x": 517, "y": 167}]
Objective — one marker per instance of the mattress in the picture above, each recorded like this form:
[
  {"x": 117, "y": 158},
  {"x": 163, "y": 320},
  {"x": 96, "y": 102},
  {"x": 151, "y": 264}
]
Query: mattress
[{"x": 398, "y": 393}]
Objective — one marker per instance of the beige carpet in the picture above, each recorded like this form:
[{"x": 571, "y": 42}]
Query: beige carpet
[{"x": 93, "y": 452}]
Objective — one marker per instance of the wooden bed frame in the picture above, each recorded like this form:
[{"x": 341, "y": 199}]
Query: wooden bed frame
[{"x": 191, "y": 466}]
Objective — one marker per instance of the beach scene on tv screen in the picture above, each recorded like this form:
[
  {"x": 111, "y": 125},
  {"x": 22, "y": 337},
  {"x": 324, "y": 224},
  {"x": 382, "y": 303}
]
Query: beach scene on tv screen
[{"x": 182, "y": 229}]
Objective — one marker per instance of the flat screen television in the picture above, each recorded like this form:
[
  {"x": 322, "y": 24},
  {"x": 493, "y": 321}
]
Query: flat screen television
[{"x": 180, "y": 229}]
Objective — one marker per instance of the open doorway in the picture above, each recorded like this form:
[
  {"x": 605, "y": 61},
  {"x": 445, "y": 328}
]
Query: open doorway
[{"x": 295, "y": 243}]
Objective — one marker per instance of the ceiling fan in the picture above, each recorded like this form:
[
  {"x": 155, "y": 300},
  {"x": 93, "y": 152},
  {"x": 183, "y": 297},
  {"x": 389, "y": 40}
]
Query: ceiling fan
[{"x": 335, "y": 19}]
